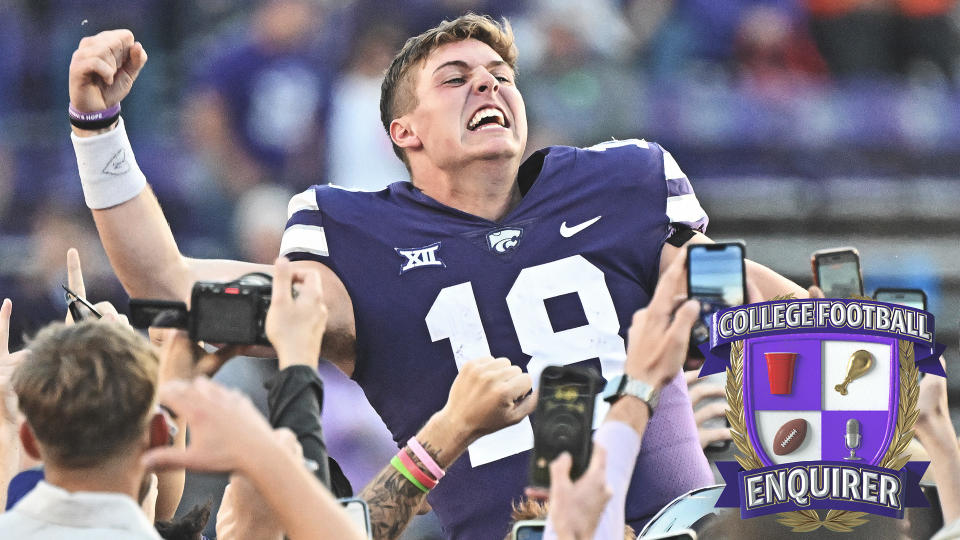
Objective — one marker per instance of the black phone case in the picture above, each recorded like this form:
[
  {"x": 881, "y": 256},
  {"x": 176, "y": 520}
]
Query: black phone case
[{"x": 556, "y": 405}]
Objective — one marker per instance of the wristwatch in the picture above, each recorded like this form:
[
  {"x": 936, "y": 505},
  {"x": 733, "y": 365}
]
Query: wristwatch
[{"x": 624, "y": 385}]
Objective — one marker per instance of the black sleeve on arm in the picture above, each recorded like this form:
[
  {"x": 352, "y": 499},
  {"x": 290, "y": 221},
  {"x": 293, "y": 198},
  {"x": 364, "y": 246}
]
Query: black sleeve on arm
[
  {"x": 681, "y": 235},
  {"x": 295, "y": 399}
]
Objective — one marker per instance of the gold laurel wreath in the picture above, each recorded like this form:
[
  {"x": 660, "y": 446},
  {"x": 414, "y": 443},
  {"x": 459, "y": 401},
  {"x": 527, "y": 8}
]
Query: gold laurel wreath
[{"x": 835, "y": 520}]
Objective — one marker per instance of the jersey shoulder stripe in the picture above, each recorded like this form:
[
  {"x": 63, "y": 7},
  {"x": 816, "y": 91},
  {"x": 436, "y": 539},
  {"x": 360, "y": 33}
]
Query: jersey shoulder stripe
[
  {"x": 682, "y": 206},
  {"x": 304, "y": 233},
  {"x": 299, "y": 238},
  {"x": 304, "y": 201}
]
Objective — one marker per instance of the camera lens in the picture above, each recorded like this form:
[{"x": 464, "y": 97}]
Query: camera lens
[{"x": 563, "y": 428}]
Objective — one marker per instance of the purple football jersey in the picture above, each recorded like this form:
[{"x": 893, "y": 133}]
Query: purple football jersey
[{"x": 556, "y": 281}]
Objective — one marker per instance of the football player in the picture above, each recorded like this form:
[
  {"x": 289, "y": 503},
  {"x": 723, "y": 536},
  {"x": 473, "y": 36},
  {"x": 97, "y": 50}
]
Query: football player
[{"x": 543, "y": 262}]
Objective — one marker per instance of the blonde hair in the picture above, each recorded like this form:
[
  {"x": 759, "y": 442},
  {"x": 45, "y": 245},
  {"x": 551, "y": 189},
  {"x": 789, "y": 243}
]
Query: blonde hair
[
  {"x": 87, "y": 390},
  {"x": 397, "y": 95}
]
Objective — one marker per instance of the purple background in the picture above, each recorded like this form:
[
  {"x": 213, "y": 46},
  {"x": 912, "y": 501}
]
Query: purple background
[
  {"x": 805, "y": 394},
  {"x": 873, "y": 427}
]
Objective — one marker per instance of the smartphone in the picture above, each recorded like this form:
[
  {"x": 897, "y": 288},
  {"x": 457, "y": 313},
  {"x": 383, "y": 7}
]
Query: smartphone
[
  {"x": 914, "y": 298},
  {"x": 563, "y": 420},
  {"x": 837, "y": 272},
  {"x": 528, "y": 529},
  {"x": 716, "y": 276},
  {"x": 358, "y": 512},
  {"x": 158, "y": 313}
]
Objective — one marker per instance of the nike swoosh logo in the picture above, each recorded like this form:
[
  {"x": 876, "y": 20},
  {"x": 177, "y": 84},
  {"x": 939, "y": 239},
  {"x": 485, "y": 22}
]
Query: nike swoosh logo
[{"x": 567, "y": 232}]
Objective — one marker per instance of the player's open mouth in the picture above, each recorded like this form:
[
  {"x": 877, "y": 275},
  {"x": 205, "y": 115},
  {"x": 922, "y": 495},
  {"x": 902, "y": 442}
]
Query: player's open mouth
[{"x": 487, "y": 117}]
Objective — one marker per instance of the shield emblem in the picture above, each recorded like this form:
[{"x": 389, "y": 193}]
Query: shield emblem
[{"x": 785, "y": 393}]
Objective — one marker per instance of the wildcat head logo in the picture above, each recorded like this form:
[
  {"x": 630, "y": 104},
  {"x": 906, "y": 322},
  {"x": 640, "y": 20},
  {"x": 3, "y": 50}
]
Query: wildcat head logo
[{"x": 504, "y": 240}]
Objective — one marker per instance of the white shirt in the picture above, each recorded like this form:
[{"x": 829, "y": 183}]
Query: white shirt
[
  {"x": 48, "y": 512},
  {"x": 950, "y": 531}
]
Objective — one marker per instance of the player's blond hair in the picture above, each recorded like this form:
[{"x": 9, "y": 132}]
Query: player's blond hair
[{"x": 397, "y": 95}]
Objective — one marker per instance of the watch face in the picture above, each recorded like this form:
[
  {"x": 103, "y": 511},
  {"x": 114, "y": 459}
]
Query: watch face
[{"x": 613, "y": 388}]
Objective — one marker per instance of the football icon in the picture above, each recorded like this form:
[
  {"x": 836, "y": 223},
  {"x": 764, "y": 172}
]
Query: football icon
[{"x": 790, "y": 436}]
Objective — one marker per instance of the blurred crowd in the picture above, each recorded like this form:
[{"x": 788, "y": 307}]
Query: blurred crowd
[{"x": 245, "y": 103}]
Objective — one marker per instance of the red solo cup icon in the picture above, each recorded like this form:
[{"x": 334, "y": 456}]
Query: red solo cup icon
[{"x": 780, "y": 371}]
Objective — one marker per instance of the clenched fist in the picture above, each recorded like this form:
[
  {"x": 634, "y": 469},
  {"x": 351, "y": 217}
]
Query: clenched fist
[
  {"x": 489, "y": 394},
  {"x": 103, "y": 69}
]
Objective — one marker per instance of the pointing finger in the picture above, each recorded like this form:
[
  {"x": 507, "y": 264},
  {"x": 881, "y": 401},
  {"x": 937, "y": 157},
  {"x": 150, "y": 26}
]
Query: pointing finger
[
  {"x": 672, "y": 283},
  {"x": 74, "y": 274}
]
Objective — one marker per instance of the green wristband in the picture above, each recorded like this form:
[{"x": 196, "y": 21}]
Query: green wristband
[{"x": 398, "y": 465}]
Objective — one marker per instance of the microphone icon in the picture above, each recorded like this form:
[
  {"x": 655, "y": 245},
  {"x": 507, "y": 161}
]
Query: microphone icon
[{"x": 852, "y": 439}]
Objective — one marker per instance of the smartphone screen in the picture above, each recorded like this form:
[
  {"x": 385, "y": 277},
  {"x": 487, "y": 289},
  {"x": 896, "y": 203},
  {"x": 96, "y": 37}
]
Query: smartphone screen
[
  {"x": 716, "y": 274},
  {"x": 838, "y": 273},
  {"x": 358, "y": 512},
  {"x": 715, "y": 277},
  {"x": 528, "y": 530},
  {"x": 914, "y": 298}
]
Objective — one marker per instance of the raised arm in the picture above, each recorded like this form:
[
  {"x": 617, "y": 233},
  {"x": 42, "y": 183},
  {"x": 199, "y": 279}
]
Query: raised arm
[
  {"x": 228, "y": 434},
  {"x": 487, "y": 395},
  {"x": 656, "y": 348},
  {"x": 935, "y": 431},
  {"x": 132, "y": 227}
]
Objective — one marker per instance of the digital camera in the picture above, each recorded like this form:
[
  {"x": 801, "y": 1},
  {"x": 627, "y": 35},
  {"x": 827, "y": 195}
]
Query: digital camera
[{"x": 229, "y": 313}]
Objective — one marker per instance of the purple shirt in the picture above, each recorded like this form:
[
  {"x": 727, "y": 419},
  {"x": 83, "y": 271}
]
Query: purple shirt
[{"x": 556, "y": 281}]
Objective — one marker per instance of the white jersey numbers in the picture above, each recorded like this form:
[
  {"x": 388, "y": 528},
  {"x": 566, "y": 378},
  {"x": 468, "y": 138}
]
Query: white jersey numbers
[{"x": 454, "y": 315}]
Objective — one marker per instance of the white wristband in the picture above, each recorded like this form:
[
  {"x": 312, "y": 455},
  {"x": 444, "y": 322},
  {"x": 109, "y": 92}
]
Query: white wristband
[{"x": 108, "y": 169}]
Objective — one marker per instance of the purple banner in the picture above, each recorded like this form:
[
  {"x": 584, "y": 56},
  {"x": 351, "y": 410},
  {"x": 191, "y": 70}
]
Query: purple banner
[
  {"x": 832, "y": 485},
  {"x": 785, "y": 317}
]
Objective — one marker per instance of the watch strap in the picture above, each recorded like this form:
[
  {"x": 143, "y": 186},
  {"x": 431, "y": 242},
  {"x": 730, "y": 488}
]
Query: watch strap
[{"x": 624, "y": 385}]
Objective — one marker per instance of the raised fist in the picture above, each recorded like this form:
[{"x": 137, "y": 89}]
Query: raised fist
[{"x": 103, "y": 69}]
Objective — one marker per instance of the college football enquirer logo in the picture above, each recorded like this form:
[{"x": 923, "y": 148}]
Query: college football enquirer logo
[{"x": 822, "y": 398}]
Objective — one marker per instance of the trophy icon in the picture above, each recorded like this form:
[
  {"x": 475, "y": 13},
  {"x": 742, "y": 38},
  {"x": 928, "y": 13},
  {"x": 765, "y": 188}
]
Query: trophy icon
[
  {"x": 858, "y": 365},
  {"x": 852, "y": 439}
]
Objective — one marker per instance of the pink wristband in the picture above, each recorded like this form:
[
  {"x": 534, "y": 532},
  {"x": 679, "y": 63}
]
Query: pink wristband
[
  {"x": 421, "y": 476},
  {"x": 425, "y": 458}
]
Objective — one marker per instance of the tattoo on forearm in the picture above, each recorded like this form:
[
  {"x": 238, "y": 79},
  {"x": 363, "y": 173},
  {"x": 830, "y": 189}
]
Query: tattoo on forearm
[{"x": 393, "y": 501}]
